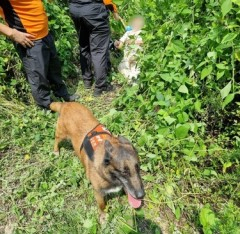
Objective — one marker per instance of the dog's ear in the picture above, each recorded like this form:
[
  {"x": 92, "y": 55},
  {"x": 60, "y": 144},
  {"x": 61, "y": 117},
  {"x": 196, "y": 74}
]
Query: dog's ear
[
  {"x": 108, "y": 146},
  {"x": 124, "y": 140}
]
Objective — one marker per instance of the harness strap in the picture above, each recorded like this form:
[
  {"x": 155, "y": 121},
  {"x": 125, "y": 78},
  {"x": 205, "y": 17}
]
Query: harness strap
[{"x": 93, "y": 139}]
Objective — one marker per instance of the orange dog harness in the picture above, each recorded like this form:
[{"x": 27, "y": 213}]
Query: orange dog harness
[{"x": 93, "y": 139}]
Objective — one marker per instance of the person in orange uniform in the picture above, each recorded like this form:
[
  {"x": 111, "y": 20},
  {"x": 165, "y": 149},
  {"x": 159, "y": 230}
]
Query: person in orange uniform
[
  {"x": 91, "y": 21},
  {"x": 27, "y": 26}
]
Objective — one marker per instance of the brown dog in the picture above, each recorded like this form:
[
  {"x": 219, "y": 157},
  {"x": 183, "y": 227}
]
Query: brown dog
[{"x": 111, "y": 163}]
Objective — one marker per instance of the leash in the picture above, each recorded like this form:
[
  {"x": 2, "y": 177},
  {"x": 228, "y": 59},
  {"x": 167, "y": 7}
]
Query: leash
[
  {"x": 122, "y": 21},
  {"x": 127, "y": 27}
]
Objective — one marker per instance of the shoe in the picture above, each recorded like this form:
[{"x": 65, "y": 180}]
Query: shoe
[
  {"x": 87, "y": 84},
  {"x": 71, "y": 98},
  {"x": 98, "y": 92}
]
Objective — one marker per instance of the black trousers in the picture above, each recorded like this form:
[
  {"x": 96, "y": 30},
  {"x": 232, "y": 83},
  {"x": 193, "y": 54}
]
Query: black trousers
[
  {"x": 43, "y": 70},
  {"x": 92, "y": 24}
]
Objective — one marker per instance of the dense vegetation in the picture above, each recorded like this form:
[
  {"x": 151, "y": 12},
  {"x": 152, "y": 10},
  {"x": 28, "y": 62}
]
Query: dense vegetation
[{"x": 183, "y": 117}]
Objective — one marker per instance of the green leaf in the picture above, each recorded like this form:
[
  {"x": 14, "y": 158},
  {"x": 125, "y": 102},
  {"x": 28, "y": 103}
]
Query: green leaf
[
  {"x": 183, "y": 117},
  {"x": 44, "y": 185},
  {"x": 169, "y": 190},
  {"x": 189, "y": 155},
  {"x": 198, "y": 106},
  {"x": 212, "y": 54},
  {"x": 229, "y": 37},
  {"x": 183, "y": 89},
  {"x": 226, "y": 6},
  {"x": 228, "y": 100},
  {"x": 220, "y": 74},
  {"x": 152, "y": 156},
  {"x": 206, "y": 71},
  {"x": 221, "y": 66},
  {"x": 237, "y": 53},
  {"x": 171, "y": 205},
  {"x": 149, "y": 178},
  {"x": 176, "y": 46},
  {"x": 178, "y": 213},
  {"x": 207, "y": 219},
  {"x": 201, "y": 64},
  {"x": 226, "y": 166},
  {"x": 226, "y": 90},
  {"x": 236, "y": 2},
  {"x": 169, "y": 120},
  {"x": 167, "y": 77},
  {"x": 142, "y": 140},
  {"x": 182, "y": 131},
  {"x": 159, "y": 96}
]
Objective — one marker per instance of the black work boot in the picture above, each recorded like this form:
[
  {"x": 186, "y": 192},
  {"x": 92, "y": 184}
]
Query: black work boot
[
  {"x": 71, "y": 98},
  {"x": 98, "y": 92},
  {"x": 87, "y": 84}
]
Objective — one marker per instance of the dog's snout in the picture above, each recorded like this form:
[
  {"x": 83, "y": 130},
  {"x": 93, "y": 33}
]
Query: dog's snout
[{"x": 140, "y": 194}]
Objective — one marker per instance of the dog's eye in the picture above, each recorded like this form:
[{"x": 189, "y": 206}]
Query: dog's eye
[{"x": 126, "y": 171}]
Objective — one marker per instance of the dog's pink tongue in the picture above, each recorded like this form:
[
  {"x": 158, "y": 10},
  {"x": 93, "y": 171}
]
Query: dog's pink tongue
[{"x": 135, "y": 203}]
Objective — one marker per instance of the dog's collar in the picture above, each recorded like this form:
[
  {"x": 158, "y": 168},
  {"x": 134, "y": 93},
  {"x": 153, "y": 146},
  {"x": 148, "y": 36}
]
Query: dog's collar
[{"x": 93, "y": 139}]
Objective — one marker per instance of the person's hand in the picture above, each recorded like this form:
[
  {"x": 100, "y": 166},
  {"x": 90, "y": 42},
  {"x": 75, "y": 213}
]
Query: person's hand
[
  {"x": 116, "y": 43},
  {"x": 24, "y": 39},
  {"x": 116, "y": 16}
]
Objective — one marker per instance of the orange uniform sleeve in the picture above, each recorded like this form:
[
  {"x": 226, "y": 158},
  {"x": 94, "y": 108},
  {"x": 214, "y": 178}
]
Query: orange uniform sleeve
[
  {"x": 110, "y": 5},
  {"x": 1, "y": 13}
]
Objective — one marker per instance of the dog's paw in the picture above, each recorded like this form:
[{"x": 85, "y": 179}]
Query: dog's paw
[{"x": 57, "y": 153}]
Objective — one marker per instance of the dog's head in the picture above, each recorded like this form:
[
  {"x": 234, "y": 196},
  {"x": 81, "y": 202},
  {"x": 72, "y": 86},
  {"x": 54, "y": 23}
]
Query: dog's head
[{"x": 121, "y": 163}]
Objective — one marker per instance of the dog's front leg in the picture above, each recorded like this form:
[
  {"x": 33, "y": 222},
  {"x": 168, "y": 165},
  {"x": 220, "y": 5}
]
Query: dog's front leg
[{"x": 101, "y": 205}]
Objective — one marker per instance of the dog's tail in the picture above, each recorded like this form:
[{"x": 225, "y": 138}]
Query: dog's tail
[{"x": 56, "y": 106}]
